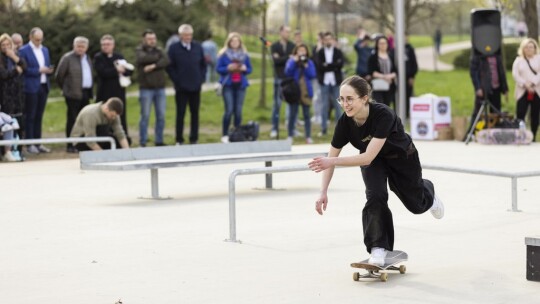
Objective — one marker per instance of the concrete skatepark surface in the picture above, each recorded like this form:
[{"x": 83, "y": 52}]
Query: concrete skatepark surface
[{"x": 72, "y": 236}]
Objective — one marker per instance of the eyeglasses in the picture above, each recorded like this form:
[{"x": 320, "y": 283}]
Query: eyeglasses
[{"x": 349, "y": 99}]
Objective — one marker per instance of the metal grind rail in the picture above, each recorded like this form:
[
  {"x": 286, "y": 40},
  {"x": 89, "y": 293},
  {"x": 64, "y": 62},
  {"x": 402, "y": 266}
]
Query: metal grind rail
[{"x": 269, "y": 170}]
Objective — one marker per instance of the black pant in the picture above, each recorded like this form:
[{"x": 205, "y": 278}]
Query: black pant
[
  {"x": 409, "y": 91},
  {"x": 183, "y": 98},
  {"x": 404, "y": 176},
  {"x": 101, "y": 130},
  {"x": 522, "y": 107},
  {"x": 74, "y": 106},
  {"x": 386, "y": 97}
]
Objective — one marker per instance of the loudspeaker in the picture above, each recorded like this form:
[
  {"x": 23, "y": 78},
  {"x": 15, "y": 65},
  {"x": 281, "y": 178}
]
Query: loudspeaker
[{"x": 486, "y": 31}]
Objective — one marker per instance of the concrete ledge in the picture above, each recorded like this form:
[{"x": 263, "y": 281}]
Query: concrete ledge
[
  {"x": 532, "y": 241},
  {"x": 87, "y": 157}
]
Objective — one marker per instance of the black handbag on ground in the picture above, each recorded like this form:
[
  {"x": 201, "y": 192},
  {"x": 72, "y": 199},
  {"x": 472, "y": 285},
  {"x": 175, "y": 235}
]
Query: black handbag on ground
[{"x": 247, "y": 132}]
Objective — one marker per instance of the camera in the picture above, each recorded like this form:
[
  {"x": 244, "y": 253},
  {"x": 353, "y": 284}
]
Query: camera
[{"x": 303, "y": 59}]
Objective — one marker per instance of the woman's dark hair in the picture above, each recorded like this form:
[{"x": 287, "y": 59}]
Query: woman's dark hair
[
  {"x": 377, "y": 43},
  {"x": 359, "y": 84},
  {"x": 295, "y": 50}
]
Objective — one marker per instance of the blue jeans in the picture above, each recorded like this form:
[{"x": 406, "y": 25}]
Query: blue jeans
[
  {"x": 146, "y": 98},
  {"x": 233, "y": 99},
  {"x": 293, "y": 115},
  {"x": 276, "y": 109},
  {"x": 210, "y": 70},
  {"x": 329, "y": 94},
  {"x": 34, "y": 108}
]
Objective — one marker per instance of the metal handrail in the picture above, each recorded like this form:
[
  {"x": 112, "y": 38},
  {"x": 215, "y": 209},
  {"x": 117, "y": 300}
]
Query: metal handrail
[{"x": 67, "y": 140}]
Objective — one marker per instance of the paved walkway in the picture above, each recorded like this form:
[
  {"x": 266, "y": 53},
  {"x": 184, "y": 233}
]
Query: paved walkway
[
  {"x": 72, "y": 236},
  {"x": 427, "y": 61}
]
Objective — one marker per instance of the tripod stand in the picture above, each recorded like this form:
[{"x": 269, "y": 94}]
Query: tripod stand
[{"x": 484, "y": 109}]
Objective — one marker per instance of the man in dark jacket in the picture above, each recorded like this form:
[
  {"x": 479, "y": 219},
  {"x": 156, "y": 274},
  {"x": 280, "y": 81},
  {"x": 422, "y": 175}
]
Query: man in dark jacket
[
  {"x": 151, "y": 63},
  {"x": 329, "y": 64},
  {"x": 110, "y": 66},
  {"x": 74, "y": 76},
  {"x": 280, "y": 50},
  {"x": 187, "y": 71}
]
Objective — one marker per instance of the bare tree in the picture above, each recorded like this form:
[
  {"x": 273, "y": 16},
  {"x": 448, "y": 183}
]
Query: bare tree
[
  {"x": 382, "y": 11},
  {"x": 530, "y": 13}
]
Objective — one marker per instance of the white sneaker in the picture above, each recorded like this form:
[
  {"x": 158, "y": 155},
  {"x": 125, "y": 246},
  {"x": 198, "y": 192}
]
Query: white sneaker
[
  {"x": 298, "y": 133},
  {"x": 437, "y": 210},
  {"x": 43, "y": 149},
  {"x": 32, "y": 149},
  {"x": 309, "y": 141},
  {"x": 273, "y": 134},
  {"x": 377, "y": 256},
  {"x": 225, "y": 139},
  {"x": 9, "y": 157}
]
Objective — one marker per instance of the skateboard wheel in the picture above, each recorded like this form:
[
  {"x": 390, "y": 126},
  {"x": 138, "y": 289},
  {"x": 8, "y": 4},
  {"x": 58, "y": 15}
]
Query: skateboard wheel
[
  {"x": 402, "y": 269},
  {"x": 384, "y": 277},
  {"x": 356, "y": 276}
]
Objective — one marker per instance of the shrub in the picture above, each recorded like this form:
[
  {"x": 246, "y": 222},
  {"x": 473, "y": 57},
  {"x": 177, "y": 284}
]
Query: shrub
[{"x": 510, "y": 52}]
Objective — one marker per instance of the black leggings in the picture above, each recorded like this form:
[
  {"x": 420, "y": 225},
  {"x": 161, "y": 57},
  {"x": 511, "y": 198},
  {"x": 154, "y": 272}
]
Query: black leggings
[
  {"x": 523, "y": 106},
  {"x": 404, "y": 176}
]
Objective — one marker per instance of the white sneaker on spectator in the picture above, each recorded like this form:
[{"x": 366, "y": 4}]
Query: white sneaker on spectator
[
  {"x": 32, "y": 149},
  {"x": 9, "y": 157},
  {"x": 437, "y": 210},
  {"x": 225, "y": 139},
  {"x": 7, "y": 127},
  {"x": 273, "y": 134},
  {"x": 309, "y": 141},
  {"x": 377, "y": 256},
  {"x": 298, "y": 133},
  {"x": 43, "y": 149}
]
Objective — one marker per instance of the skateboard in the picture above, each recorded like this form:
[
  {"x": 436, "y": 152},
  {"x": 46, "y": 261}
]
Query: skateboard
[{"x": 373, "y": 271}]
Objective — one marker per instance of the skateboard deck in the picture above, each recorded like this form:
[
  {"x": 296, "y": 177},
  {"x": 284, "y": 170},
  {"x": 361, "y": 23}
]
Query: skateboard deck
[{"x": 373, "y": 271}]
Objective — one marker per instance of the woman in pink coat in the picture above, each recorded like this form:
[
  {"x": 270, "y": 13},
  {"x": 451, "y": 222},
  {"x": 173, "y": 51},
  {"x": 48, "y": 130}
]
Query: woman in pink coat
[{"x": 525, "y": 70}]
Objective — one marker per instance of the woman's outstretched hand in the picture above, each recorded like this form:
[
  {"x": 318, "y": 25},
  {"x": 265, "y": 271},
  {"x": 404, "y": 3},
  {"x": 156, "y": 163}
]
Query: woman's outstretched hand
[{"x": 319, "y": 164}]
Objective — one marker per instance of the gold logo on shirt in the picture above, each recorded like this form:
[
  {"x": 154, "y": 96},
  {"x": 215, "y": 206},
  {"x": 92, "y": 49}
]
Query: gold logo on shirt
[{"x": 368, "y": 138}]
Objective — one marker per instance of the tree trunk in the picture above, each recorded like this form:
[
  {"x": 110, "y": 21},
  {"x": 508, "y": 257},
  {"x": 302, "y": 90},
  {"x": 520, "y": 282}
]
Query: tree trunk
[
  {"x": 531, "y": 18},
  {"x": 335, "y": 17},
  {"x": 262, "y": 98},
  {"x": 299, "y": 15}
]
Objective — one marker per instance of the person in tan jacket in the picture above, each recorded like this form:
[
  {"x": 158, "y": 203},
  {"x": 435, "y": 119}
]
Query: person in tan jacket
[{"x": 525, "y": 70}]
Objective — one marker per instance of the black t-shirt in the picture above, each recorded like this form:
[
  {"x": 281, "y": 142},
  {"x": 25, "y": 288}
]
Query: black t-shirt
[{"x": 382, "y": 122}]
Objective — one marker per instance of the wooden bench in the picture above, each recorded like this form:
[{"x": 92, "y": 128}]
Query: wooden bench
[{"x": 155, "y": 158}]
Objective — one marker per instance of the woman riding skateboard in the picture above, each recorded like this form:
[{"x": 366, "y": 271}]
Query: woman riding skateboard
[{"x": 387, "y": 153}]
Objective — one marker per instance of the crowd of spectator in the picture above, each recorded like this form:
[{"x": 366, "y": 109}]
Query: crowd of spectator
[{"x": 26, "y": 72}]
